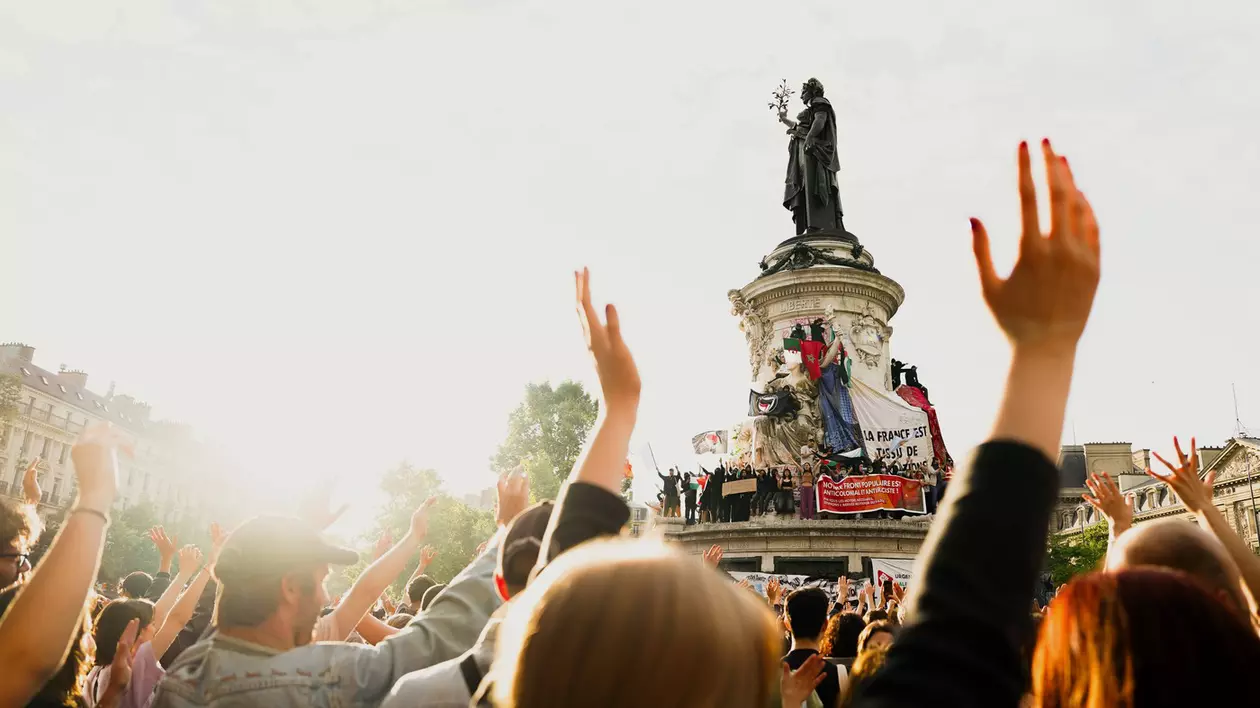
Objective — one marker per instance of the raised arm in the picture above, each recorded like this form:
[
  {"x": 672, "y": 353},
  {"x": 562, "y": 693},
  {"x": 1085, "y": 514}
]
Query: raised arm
[
  {"x": 1012, "y": 483},
  {"x": 1196, "y": 494},
  {"x": 45, "y": 617},
  {"x": 189, "y": 562},
  {"x": 590, "y": 504},
  {"x": 373, "y": 581},
  {"x": 1106, "y": 498},
  {"x": 186, "y": 606},
  {"x": 832, "y": 352},
  {"x": 31, "y": 493}
]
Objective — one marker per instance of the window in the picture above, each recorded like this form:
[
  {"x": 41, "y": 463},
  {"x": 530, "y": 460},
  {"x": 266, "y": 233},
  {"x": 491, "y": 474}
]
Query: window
[
  {"x": 63, "y": 388},
  {"x": 65, "y": 450},
  {"x": 47, "y": 446},
  {"x": 44, "y": 379},
  {"x": 25, "y": 372},
  {"x": 97, "y": 403},
  {"x": 79, "y": 394},
  {"x": 26, "y": 443}
]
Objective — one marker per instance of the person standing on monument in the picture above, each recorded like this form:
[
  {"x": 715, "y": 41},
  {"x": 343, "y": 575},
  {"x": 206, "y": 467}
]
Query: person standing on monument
[
  {"x": 670, "y": 484},
  {"x": 810, "y": 190}
]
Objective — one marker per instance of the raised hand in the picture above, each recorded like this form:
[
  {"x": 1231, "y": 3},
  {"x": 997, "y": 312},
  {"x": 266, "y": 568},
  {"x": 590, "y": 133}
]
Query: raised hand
[
  {"x": 1106, "y": 498},
  {"x": 481, "y": 548},
  {"x": 120, "y": 668},
  {"x": 189, "y": 560},
  {"x": 383, "y": 544},
  {"x": 95, "y": 457},
  {"x": 713, "y": 556},
  {"x": 420, "y": 520},
  {"x": 774, "y": 590},
  {"x": 1195, "y": 493},
  {"x": 31, "y": 493},
  {"x": 795, "y": 686},
  {"x": 166, "y": 545},
  {"x": 842, "y": 590},
  {"x": 618, "y": 375},
  {"x": 1044, "y": 303},
  {"x": 428, "y": 553},
  {"x": 869, "y": 592},
  {"x": 513, "y": 495},
  {"x": 218, "y": 537},
  {"x": 388, "y": 604},
  {"x": 315, "y": 508}
]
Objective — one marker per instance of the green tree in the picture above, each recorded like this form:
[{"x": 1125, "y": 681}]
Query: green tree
[
  {"x": 1073, "y": 554},
  {"x": 455, "y": 529},
  {"x": 10, "y": 397},
  {"x": 547, "y": 432}
]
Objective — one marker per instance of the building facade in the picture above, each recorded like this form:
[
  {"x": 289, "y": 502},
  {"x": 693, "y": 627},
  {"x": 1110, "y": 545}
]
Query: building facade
[
  {"x": 170, "y": 468},
  {"x": 1235, "y": 490}
]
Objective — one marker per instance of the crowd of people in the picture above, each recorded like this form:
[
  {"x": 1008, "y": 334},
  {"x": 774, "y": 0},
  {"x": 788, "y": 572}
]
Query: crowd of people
[
  {"x": 784, "y": 492},
  {"x": 560, "y": 610}
]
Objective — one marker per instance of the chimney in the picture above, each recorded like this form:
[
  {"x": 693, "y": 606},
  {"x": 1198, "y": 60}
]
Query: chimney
[
  {"x": 1142, "y": 459},
  {"x": 1209, "y": 455},
  {"x": 74, "y": 379},
  {"x": 18, "y": 352}
]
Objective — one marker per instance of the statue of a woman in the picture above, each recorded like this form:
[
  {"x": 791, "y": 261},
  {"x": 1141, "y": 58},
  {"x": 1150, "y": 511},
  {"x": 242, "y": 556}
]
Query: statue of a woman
[
  {"x": 810, "y": 191},
  {"x": 841, "y": 431}
]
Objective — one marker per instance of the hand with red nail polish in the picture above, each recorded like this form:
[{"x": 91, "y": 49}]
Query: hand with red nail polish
[{"x": 1046, "y": 300}]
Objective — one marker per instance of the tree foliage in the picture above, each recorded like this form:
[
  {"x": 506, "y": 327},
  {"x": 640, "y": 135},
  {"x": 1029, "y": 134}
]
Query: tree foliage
[
  {"x": 546, "y": 432},
  {"x": 1073, "y": 554},
  {"x": 455, "y": 529},
  {"x": 127, "y": 544},
  {"x": 10, "y": 397}
]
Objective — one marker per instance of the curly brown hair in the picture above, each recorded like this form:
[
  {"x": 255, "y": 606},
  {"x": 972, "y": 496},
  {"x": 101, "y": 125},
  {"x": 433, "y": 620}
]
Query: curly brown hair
[{"x": 840, "y": 639}]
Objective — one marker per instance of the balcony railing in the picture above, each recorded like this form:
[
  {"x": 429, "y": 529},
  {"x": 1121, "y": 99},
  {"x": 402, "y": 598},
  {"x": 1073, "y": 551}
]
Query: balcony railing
[{"x": 40, "y": 414}]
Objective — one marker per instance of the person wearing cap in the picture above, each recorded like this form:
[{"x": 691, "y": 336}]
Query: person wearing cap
[
  {"x": 271, "y": 577},
  {"x": 452, "y": 684}
]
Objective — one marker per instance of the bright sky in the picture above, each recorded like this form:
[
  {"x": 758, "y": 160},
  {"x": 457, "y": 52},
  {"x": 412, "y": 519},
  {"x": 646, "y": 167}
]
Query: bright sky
[{"x": 332, "y": 235}]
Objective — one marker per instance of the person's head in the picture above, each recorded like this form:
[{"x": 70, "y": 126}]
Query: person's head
[
  {"x": 271, "y": 575},
  {"x": 875, "y": 616},
  {"x": 879, "y": 633},
  {"x": 867, "y": 664},
  {"x": 65, "y": 688},
  {"x": 807, "y": 613},
  {"x": 398, "y": 621},
  {"x": 136, "y": 585},
  {"x": 589, "y": 613},
  {"x": 112, "y": 622},
  {"x": 1140, "y": 637},
  {"x": 518, "y": 553},
  {"x": 430, "y": 595},
  {"x": 416, "y": 589},
  {"x": 840, "y": 640},
  {"x": 1177, "y": 545},
  {"x": 19, "y": 527}
]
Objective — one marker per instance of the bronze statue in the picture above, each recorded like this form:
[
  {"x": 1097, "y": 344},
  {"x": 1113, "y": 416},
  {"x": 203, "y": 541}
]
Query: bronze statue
[{"x": 810, "y": 190}]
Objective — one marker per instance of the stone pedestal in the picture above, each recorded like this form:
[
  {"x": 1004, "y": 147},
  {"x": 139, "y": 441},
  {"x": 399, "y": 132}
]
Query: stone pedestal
[
  {"x": 770, "y": 545},
  {"x": 813, "y": 276}
]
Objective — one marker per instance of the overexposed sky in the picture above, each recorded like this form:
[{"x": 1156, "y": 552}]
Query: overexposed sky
[{"x": 332, "y": 234}]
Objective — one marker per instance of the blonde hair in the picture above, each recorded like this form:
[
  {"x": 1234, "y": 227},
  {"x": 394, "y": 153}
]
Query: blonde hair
[{"x": 611, "y": 624}]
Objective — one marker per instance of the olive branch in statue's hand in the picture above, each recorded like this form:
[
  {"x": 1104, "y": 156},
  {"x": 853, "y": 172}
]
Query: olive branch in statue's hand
[{"x": 779, "y": 105}]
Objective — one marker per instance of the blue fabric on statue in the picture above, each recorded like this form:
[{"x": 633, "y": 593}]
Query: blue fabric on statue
[{"x": 841, "y": 431}]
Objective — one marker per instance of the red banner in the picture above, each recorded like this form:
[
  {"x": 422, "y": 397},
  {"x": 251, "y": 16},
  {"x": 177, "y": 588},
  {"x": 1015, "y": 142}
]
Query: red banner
[{"x": 857, "y": 494}]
